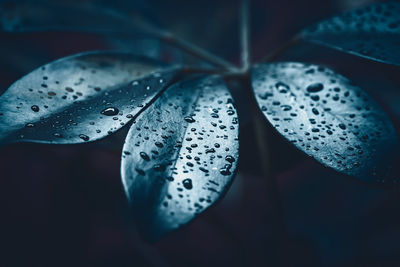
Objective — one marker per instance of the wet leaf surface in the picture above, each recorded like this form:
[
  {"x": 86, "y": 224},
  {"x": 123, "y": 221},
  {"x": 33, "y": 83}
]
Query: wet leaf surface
[
  {"x": 372, "y": 32},
  {"x": 80, "y": 98},
  {"x": 328, "y": 118},
  {"x": 181, "y": 154}
]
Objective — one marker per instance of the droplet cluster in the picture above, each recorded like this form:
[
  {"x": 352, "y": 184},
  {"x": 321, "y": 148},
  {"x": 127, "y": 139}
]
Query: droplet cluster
[
  {"x": 183, "y": 151},
  {"x": 372, "y": 32},
  {"x": 80, "y": 98},
  {"x": 326, "y": 116}
]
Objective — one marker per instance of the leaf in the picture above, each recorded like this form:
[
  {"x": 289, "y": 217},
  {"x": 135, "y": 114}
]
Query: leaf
[
  {"x": 181, "y": 154},
  {"x": 80, "y": 98},
  {"x": 371, "y": 32},
  {"x": 32, "y": 16},
  {"x": 327, "y": 117}
]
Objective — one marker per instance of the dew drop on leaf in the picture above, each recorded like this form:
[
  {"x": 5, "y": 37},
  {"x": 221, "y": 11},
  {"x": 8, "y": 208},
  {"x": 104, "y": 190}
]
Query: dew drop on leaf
[
  {"x": 187, "y": 183},
  {"x": 84, "y": 137},
  {"x": 110, "y": 111},
  {"x": 35, "y": 108},
  {"x": 186, "y": 142}
]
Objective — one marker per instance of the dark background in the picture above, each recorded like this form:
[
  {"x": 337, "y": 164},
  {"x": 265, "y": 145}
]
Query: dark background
[{"x": 65, "y": 206}]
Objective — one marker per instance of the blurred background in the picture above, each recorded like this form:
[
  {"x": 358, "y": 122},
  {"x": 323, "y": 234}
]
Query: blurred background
[{"x": 65, "y": 205}]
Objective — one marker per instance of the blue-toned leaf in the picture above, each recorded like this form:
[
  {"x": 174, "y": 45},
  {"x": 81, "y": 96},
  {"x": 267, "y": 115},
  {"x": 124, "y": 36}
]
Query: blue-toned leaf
[
  {"x": 323, "y": 114},
  {"x": 181, "y": 154},
  {"x": 372, "y": 32},
  {"x": 80, "y": 98}
]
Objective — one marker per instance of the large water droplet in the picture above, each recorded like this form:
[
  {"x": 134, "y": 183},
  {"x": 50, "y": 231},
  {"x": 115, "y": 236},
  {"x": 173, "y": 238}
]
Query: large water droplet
[
  {"x": 315, "y": 87},
  {"x": 111, "y": 111}
]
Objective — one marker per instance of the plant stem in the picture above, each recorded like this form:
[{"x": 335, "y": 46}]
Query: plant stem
[
  {"x": 245, "y": 35},
  {"x": 137, "y": 22},
  {"x": 262, "y": 132},
  {"x": 186, "y": 46},
  {"x": 258, "y": 122},
  {"x": 198, "y": 52}
]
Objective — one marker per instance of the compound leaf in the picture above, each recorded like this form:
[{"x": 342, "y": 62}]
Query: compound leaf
[
  {"x": 371, "y": 32},
  {"x": 80, "y": 98},
  {"x": 181, "y": 154},
  {"x": 323, "y": 114}
]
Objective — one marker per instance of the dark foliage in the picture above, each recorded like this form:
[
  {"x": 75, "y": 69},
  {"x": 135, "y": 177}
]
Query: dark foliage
[{"x": 181, "y": 150}]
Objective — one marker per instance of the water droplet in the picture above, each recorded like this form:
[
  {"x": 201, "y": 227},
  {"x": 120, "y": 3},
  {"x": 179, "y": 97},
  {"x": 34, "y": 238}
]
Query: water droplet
[
  {"x": 189, "y": 119},
  {"x": 159, "y": 144},
  {"x": 111, "y": 111},
  {"x": 35, "y": 108},
  {"x": 230, "y": 159},
  {"x": 187, "y": 183},
  {"x": 226, "y": 169},
  {"x": 144, "y": 156},
  {"x": 315, "y": 87},
  {"x": 210, "y": 150},
  {"x": 203, "y": 169},
  {"x": 84, "y": 137},
  {"x": 282, "y": 87},
  {"x": 214, "y": 115},
  {"x": 315, "y": 111},
  {"x": 315, "y": 97},
  {"x": 230, "y": 112}
]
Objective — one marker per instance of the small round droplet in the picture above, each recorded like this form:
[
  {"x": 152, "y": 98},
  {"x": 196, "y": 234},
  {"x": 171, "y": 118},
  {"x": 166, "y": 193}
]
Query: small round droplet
[
  {"x": 187, "y": 183},
  {"x": 35, "y": 108}
]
